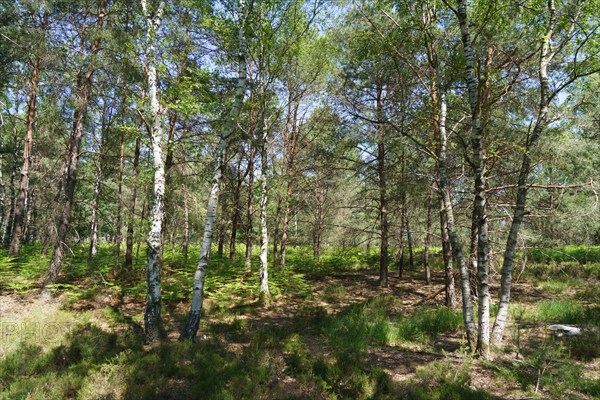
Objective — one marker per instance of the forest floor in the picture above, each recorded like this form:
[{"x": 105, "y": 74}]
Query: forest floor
[{"x": 333, "y": 334}]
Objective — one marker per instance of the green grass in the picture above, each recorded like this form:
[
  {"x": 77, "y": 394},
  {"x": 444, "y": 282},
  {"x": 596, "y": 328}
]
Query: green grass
[
  {"x": 558, "y": 286},
  {"x": 370, "y": 324},
  {"x": 580, "y": 254},
  {"x": 313, "y": 354}
]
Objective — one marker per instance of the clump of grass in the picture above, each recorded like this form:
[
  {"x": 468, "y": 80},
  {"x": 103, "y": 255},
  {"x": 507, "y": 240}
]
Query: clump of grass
[
  {"x": 424, "y": 325},
  {"x": 360, "y": 326},
  {"x": 334, "y": 293},
  {"x": 558, "y": 286},
  {"x": 580, "y": 254},
  {"x": 562, "y": 311},
  {"x": 547, "y": 367},
  {"x": 444, "y": 380},
  {"x": 369, "y": 324},
  {"x": 590, "y": 293}
]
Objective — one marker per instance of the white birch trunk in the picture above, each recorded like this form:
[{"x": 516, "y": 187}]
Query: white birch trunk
[
  {"x": 457, "y": 252},
  {"x": 477, "y": 161},
  {"x": 265, "y": 297},
  {"x": 193, "y": 322},
  {"x": 152, "y": 317},
  {"x": 546, "y": 56}
]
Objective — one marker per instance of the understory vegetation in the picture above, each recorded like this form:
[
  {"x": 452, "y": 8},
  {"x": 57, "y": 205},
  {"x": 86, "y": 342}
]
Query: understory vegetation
[{"x": 330, "y": 333}]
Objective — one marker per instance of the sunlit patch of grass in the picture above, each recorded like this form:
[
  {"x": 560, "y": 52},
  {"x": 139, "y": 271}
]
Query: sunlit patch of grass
[
  {"x": 424, "y": 325},
  {"x": 558, "y": 286},
  {"x": 369, "y": 324},
  {"x": 44, "y": 326},
  {"x": 562, "y": 311}
]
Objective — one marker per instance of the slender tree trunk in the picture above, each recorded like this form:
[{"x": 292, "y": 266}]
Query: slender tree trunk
[
  {"x": 319, "y": 223},
  {"x": 250, "y": 207},
  {"x": 83, "y": 90},
  {"x": 286, "y": 225},
  {"x": 438, "y": 101},
  {"x": 427, "y": 241},
  {"x": 448, "y": 215},
  {"x": 450, "y": 286},
  {"x": 265, "y": 296},
  {"x": 473, "y": 251},
  {"x": 20, "y": 207},
  {"x": 383, "y": 211},
  {"x": 168, "y": 203},
  {"x": 30, "y": 231},
  {"x": 276, "y": 232},
  {"x": 235, "y": 214},
  {"x": 411, "y": 255},
  {"x": 95, "y": 206},
  {"x": 222, "y": 217},
  {"x": 131, "y": 217},
  {"x": 10, "y": 220},
  {"x": 193, "y": 321},
  {"x": 186, "y": 222},
  {"x": 401, "y": 240},
  {"x": 119, "y": 223},
  {"x": 152, "y": 312},
  {"x": 546, "y": 55},
  {"x": 477, "y": 161}
]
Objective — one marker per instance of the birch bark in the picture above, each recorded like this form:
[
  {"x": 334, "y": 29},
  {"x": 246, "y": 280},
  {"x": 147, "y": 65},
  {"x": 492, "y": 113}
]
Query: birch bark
[
  {"x": 193, "y": 322},
  {"x": 477, "y": 157},
  {"x": 546, "y": 56},
  {"x": 152, "y": 313}
]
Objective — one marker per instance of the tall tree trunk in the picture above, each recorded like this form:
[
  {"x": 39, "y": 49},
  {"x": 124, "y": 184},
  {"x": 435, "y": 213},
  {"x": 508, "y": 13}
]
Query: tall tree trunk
[
  {"x": 235, "y": 212},
  {"x": 276, "y": 237},
  {"x": 250, "y": 205},
  {"x": 381, "y": 173},
  {"x": 30, "y": 231},
  {"x": 427, "y": 241},
  {"x": 473, "y": 250},
  {"x": 131, "y": 214},
  {"x": 292, "y": 144},
  {"x": 477, "y": 161},
  {"x": 448, "y": 215},
  {"x": 193, "y": 321},
  {"x": 223, "y": 214},
  {"x": 168, "y": 204},
  {"x": 546, "y": 55},
  {"x": 119, "y": 223},
  {"x": 411, "y": 255},
  {"x": 93, "y": 251},
  {"x": 449, "y": 284},
  {"x": 82, "y": 94},
  {"x": 10, "y": 220},
  {"x": 186, "y": 222},
  {"x": 401, "y": 241},
  {"x": 438, "y": 102},
  {"x": 20, "y": 207},
  {"x": 152, "y": 312},
  {"x": 319, "y": 220},
  {"x": 265, "y": 296}
]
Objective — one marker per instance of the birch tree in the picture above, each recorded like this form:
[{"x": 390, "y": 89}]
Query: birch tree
[
  {"x": 477, "y": 163},
  {"x": 152, "y": 312},
  {"x": 193, "y": 321},
  {"x": 567, "y": 35}
]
